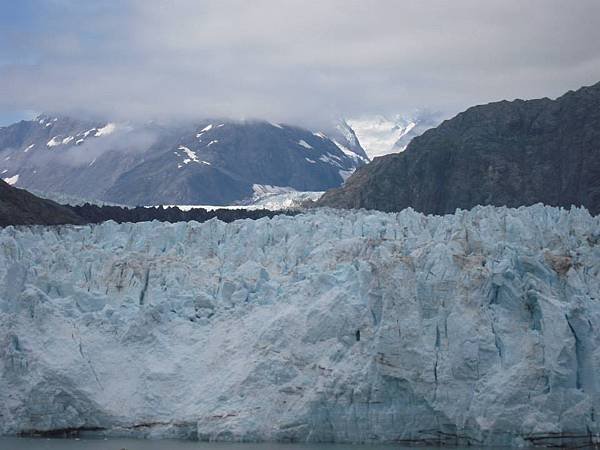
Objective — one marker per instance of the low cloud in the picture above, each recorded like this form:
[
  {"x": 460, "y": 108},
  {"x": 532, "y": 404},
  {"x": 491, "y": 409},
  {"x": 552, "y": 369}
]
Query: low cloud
[
  {"x": 124, "y": 139},
  {"x": 291, "y": 61}
]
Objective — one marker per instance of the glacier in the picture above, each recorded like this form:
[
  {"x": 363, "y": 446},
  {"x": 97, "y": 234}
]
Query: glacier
[{"x": 479, "y": 327}]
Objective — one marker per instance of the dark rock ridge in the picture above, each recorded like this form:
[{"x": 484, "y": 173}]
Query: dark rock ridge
[
  {"x": 97, "y": 214},
  {"x": 19, "y": 207},
  {"x": 214, "y": 162},
  {"x": 505, "y": 153}
]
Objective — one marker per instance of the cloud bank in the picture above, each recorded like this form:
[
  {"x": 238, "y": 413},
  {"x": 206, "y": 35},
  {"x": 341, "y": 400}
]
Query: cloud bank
[{"x": 295, "y": 61}]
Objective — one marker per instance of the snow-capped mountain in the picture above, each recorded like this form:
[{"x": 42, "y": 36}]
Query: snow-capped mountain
[
  {"x": 380, "y": 135},
  {"x": 210, "y": 162}
]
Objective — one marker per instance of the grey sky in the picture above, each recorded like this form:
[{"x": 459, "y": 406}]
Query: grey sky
[{"x": 289, "y": 60}]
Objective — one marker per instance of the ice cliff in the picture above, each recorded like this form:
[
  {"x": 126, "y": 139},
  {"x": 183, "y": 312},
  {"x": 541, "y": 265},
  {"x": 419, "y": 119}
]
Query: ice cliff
[{"x": 479, "y": 327}]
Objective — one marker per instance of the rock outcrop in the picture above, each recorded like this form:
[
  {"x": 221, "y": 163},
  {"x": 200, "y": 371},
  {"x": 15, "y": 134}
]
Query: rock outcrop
[
  {"x": 506, "y": 153},
  {"x": 19, "y": 207}
]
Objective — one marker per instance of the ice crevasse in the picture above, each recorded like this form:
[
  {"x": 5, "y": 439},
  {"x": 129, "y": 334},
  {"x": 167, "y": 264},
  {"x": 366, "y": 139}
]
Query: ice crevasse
[{"x": 479, "y": 327}]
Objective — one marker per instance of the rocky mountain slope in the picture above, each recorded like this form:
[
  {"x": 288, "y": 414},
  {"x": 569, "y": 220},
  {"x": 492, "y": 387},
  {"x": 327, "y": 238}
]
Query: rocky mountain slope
[
  {"x": 474, "y": 328},
  {"x": 504, "y": 153},
  {"x": 211, "y": 162},
  {"x": 19, "y": 207}
]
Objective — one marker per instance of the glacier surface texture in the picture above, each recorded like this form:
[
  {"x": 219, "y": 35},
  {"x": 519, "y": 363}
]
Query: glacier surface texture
[{"x": 480, "y": 327}]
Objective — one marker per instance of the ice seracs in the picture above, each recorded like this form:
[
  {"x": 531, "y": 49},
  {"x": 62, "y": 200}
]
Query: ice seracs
[
  {"x": 479, "y": 328},
  {"x": 263, "y": 190}
]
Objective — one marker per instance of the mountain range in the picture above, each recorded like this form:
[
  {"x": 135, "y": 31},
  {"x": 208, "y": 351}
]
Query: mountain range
[
  {"x": 209, "y": 162},
  {"x": 504, "y": 153}
]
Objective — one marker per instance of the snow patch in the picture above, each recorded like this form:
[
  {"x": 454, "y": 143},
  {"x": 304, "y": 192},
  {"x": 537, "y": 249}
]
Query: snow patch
[
  {"x": 305, "y": 144},
  {"x": 350, "y": 153},
  {"x": 310, "y": 160},
  {"x": 54, "y": 142},
  {"x": 67, "y": 139},
  {"x": 29, "y": 148},
  {"x": 212, "y": 142},
  {"x": 109, "y": 128},
  {"x": 12, "y": 180},
  {"x": 329, "y": 159},
  {"x": 206, "y": 128},
  {"x": 345, "y": 174},
  {"x": 191, "y": 156}
]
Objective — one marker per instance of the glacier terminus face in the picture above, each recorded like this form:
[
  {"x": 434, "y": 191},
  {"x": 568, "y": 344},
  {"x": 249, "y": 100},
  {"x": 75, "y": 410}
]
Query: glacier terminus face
[{"x": 478, "y": 328}]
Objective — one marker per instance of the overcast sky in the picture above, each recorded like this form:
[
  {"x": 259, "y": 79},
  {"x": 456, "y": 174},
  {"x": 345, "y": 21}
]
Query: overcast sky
[{"x": 288, "y": 60}]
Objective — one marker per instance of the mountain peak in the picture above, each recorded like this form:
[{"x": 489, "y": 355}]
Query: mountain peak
[
  {"x": 213, "y": 161},
  {"x": 504, "y": 153}
]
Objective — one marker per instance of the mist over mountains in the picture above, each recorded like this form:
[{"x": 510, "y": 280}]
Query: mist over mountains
[{"x": 208, "y": 162}]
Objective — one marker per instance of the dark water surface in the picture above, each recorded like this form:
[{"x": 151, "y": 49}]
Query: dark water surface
[{"x": 141, "y": 444}]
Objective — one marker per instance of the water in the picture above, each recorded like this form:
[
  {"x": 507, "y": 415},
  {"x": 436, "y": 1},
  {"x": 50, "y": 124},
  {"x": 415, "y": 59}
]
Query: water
[{"x": 140, "y": 444}]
